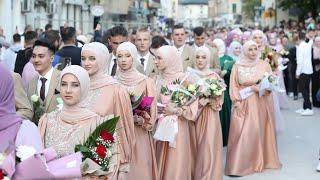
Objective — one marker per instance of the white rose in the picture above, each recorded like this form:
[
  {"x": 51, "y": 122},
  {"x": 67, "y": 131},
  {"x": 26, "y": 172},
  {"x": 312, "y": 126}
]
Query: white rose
[
  {"x": 219, "y": 93},
  {"x": 2, "y": 158},
  {"x": 24, "y": 152},
  {"x": 6, "y": 178},
  {"x": 60, "y": 106},
  {"x": 34, "y": 98}
]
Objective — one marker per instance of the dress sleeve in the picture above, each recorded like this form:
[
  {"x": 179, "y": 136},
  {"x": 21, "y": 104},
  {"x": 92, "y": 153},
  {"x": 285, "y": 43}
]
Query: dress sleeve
[
  {"x": 42, "y": 126},
  {"x": 190, "y": 112},
  {"x": 234, "y": 88},
  {"x": 151, "y": 92},
  {"x": 125, "y": 128}
]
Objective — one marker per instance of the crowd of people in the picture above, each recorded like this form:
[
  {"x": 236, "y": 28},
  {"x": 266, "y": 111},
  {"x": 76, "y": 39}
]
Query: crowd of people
[{"x": 95, "y": 76}]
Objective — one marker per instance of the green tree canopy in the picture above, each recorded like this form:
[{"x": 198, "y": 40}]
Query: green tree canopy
[
  {"x": 304, "y": 6},
  {"x": 248, "y": 7}
]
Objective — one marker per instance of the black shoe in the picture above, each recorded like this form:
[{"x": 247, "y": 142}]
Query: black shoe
[
  {"x": 295, "y": 98},
  {"x": 234, "y": 176}
]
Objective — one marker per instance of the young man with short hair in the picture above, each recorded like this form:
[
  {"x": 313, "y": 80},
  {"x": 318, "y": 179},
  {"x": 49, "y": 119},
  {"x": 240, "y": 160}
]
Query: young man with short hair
[
  {"x": 69, "y": 49},
  {"x": 185, "y": 51},
  {"x": 8, "y": 57},
  {"x": 23, "y": 56},
  {"x": 117, "y": 35},
  {"x": 44, "y": 85},
  {"x": 145, "y": 59}
]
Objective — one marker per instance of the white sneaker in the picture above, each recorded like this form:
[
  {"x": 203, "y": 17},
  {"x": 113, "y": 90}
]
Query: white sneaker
[
  {"x": 318, "y": 167},
  {"x": 307, "y": 112},
  {"x": 291, "y": 94},
  {"x": 299, "y": 111}
]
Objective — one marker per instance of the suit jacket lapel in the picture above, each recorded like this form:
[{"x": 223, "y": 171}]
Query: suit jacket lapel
[{"x": 53, "y": 85}]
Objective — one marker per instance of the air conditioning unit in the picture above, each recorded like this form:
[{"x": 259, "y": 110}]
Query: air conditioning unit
[
  {"x": 26, "y": 6},
  {"x": 52, "y": 8}
]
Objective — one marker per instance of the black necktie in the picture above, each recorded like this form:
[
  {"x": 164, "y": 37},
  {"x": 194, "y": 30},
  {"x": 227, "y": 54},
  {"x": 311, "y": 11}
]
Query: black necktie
[
  {"x": 43, "y": 88},
  {"x": 142, "y": 61},
  {"x": 114, "y": 67}
]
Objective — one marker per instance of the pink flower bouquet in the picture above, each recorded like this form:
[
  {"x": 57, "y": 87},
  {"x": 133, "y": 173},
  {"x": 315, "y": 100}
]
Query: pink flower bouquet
[{"x": 42, "y": 166}]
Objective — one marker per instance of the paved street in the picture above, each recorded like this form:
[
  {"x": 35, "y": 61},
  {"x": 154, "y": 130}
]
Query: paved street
[{"x": 298, "y": 147}]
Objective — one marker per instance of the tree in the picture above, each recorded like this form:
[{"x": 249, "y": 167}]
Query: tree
[
  {"x": 304, "y": 6},
  {"x": 248, "y": 7}
]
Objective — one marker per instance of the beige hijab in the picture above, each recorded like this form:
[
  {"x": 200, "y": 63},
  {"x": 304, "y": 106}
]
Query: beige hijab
[
  {"x": 100, "y": 51},
  {"x": 132, "y": 76},
  {"x": 173, "y": 63},
  {"x": 77, "y": 113},
  {"x": 206, "y": 71},
  {"x": 244, "y": 59}
]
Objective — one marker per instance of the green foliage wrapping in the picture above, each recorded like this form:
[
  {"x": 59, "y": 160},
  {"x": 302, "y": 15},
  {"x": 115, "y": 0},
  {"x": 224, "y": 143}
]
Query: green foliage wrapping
[
  {"x": 109, "y": 125},
  {"x": 135, "y": 103}
]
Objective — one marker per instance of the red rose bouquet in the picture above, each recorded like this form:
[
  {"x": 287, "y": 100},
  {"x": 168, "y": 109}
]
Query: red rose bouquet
[
  {"x": 271, "y": 56},
  {"x": 98, "y": 146}
]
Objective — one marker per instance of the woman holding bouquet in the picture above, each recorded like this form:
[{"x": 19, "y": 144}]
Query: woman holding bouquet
[
  {"x": 13, "y": 129},
  {"x": 252, "y": 145},
  {"x": 106, "y": 97},
  {"x": 226, "y": 63},
  {"x": 175, "y": 161},
  {"x": 209, "y": 145},
  {"x": 65, "y": 128},
  {"x": 143, "y": 165}
]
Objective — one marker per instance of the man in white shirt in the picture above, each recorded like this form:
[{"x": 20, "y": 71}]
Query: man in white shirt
[
  {"x": 145, "y": 60},
  {"x": 185, "y": 51},
  {"x": 304, "y": 72},
  {"x": 8, "y": 57},
  {"x": 45, "y": 85},
  {"x": 117, "y": 35}
]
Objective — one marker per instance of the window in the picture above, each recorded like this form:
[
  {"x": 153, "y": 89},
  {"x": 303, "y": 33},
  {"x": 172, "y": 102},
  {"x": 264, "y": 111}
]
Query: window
[{"x": 234, "y": 8}]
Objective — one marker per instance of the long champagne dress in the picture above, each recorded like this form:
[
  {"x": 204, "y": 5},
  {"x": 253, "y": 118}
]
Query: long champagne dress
[
  {"x": 252, "y": 145},
  {"x": 114, "y": 99},
  {"x": 209, "y": 153},
  {"x": 176, "y": 163},
  {"x": 143, "y": 164}
]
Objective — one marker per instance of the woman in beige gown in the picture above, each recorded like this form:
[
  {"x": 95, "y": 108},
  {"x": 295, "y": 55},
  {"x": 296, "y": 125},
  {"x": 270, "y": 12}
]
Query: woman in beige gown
[
  {"x": 107, "y": 96},
  {"x": 64, "y": 128},
  {"x": 252, "y": 145},
  {"x": 143, "y": 165},
  {"x": 174, "y": 163},
  {"x": 209, "y": 153}
]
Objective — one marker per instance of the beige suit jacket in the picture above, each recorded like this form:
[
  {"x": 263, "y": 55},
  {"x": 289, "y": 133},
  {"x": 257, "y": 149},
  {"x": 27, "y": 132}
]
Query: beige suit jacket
[
  {"x": 214, "y": 60},
  {"x": 23, "y": 105},
  {"x": 150, "y": 69},
  {"x": 50, "y": 103},
  {"x": 188, "y": 57}
]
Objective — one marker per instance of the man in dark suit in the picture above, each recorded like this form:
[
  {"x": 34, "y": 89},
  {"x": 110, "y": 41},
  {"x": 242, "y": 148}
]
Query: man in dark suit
[
  {"x": 69, "y": 49},
  {"x": 23, "y": 56}
]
